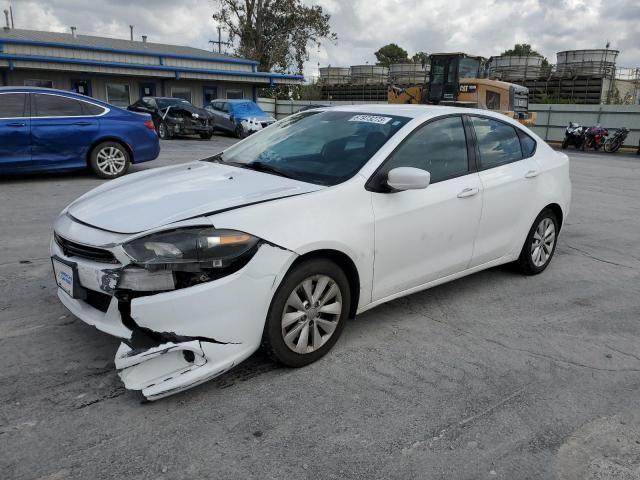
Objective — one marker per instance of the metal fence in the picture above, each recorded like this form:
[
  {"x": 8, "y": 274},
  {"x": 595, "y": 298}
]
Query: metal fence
[
  {"x": 551, "y": 123},
  {"x": 554, "y": 118}
]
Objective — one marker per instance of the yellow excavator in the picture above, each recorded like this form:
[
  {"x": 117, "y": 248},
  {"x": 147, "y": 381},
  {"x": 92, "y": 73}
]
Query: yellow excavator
[{"x": 455, "y": 79}]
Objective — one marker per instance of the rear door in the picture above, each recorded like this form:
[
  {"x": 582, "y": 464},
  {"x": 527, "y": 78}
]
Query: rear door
[
  {"x": 509, "y": 176},
  {"x": 62, "y": 131},
  {"x": 15, "y": 143}
]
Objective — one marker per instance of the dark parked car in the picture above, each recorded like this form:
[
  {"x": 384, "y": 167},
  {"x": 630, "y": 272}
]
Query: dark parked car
[
  {"x": 238, "y": 117},
  {"x": 43, "y": 129},
  {"x": 175, "y": 116}
]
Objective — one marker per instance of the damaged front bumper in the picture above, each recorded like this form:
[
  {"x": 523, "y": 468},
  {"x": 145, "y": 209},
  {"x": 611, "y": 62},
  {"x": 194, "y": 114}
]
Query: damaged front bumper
[{"x": 172, "y": 340}]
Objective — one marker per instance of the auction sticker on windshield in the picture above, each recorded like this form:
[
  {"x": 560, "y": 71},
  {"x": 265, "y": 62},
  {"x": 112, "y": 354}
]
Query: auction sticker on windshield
[{"x": 370, "y": 119}]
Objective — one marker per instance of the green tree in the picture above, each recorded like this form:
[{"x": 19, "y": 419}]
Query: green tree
[
  {"x": 391, "y": 53},
  {"x": 275, "y": 33},
  {"x": 525, "y": 50},
  {"x": 421, "y": 58}
]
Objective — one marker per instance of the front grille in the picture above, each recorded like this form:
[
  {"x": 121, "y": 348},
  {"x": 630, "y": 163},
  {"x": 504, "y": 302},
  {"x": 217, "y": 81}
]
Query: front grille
[
  {"x": 99, "y": 301},
  {"x": 73, "y": 249}
]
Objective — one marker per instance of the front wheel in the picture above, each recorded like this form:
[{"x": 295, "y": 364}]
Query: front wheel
[
  {"x": 540, "y": 245},
  {"x": 239, "y": 131},
  {"x": 206, "y": 136},
  {"x": 565, "y": 143},
  {"x": 307, "y": 313},
  {"x": 163, "y": 131},
  {"x": 109, "y": 160}
]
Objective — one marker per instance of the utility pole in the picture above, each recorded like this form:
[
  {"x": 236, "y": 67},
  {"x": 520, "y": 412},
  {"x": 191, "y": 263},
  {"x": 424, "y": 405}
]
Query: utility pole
[
  {"x": 131, "y": 30},
  {"x": 219, "y": 42},
  {"x": 11, "y": 15}
]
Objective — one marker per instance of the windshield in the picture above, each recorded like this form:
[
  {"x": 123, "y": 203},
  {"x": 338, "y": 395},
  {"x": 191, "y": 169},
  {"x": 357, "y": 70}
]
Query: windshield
[
  {"x": 324, "y": 148},
  {"x": 245, "y": 108},
  {"x": 167, "y": 102},
  {"x": 468, "y": 68}
]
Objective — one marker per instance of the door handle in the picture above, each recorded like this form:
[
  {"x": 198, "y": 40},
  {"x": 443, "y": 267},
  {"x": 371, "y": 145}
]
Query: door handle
[
  {"x": 531, "y": 174},
  {"x": 16, "y": 124},
  {"x": 468, "y": 192}
]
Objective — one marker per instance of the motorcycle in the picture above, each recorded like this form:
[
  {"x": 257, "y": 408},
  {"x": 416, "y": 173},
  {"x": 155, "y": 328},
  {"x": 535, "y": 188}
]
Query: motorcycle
[
  {"x": 614, "y": 143},
  {"x": 594, "y": 137},
  {"x": 573, "y": 135}
]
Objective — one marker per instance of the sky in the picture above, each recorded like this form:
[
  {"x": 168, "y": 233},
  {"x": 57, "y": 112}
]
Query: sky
[{"x": 485, "y": 27}]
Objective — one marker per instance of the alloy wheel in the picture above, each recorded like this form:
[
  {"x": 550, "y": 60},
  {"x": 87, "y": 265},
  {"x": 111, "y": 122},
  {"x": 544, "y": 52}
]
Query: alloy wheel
[
  {"x": 111, "y": 161},
  {"x": 544, "y": 239},
  {"x": 311, "y": 314}
]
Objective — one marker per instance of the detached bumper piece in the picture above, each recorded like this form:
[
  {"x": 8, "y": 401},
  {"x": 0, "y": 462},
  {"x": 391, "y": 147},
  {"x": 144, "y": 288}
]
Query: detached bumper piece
[{"x": 172, "y": 367}]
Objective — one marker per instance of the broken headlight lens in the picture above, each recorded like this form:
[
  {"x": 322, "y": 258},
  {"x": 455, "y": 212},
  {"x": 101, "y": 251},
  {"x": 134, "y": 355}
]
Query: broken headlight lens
[{"x": 202, "y": 247}]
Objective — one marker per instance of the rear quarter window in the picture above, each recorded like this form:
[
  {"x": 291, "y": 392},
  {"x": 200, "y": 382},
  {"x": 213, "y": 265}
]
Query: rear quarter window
[
  {"x": 91, "y": 109},
  {"x": 527, "y": 143}
]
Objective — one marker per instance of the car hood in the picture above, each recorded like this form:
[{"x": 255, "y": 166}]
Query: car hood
[{"x": 146, "y": 200}]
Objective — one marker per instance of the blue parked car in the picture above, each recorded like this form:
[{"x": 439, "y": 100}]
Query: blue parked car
[
  {"x": 42, "y": 129},
  {"x": 238, "y": 117}
]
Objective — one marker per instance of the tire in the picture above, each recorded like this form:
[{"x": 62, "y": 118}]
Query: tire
[
  {"x": 109, "y": 160},
  {"x": 239, "y": 131},
  {"x": 529, "y": 262},
  {"x": 326, "y": 327},
  {"x": 163, "y": 131},
  {"x": 206, "y": 136},
  {"x": 565, "y": 143}
]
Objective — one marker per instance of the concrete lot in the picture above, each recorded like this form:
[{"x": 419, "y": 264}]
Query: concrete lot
[{"x": 493, "y": 376}]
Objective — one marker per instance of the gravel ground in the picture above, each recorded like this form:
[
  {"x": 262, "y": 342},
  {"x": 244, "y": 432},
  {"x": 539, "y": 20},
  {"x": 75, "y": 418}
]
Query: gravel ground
[{"x": 492, "y": 376}]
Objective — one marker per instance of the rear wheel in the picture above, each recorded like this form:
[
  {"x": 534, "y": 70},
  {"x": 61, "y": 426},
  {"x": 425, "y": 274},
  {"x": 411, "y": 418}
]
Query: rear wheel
[
  {"x": 540, "y": 245},
  {"x": 307, "y": 313},
  {"x": 109, "y": 160}
]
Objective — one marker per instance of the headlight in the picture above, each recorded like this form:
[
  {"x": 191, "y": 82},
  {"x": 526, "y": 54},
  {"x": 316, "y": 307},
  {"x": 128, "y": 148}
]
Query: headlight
[{"x": 191, "y": 249}]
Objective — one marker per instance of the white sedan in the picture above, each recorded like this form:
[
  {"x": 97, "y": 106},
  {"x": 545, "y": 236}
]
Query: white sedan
[{"x": 278, "y": 240}]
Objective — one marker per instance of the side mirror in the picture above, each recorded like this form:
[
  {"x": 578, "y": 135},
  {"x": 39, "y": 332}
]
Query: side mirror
[{"x": 408, "y": 178}]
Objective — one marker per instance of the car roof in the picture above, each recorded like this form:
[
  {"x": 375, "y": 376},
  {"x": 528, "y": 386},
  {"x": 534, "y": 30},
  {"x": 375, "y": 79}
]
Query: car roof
[
  {"x": 415, "y": 111},
  {"x": 57, "y": 91}
]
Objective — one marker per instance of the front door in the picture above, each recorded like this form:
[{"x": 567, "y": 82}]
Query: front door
[
  {"x": 15, "y": 143},
  {"x": 147, "y": 90},
  {"x": 424, "y": 235},
  {"x": 509, "y": 175},
  {"x": 209, "y": 94},
  {"x": 61, "y": 131},
  {"x": 83, "y": 87}
]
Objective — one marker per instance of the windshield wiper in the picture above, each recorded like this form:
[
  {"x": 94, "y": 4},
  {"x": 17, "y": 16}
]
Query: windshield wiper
[{"x": 266, "y": 168}]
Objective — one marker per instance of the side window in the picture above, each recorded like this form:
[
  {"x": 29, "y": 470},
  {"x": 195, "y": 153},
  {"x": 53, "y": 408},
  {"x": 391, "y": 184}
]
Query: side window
[
  {"x": 225, "y": 108},
  {"x": 439, "y": 147},
  {"x": 12, "y": 105},
  {"x": 527, "y": 143},
  {"x": 56, "y": 106},
  {"x": 498, "y": 142},
  {"x": 91, "y": 109},
  {"x": 492, "y": 100}
]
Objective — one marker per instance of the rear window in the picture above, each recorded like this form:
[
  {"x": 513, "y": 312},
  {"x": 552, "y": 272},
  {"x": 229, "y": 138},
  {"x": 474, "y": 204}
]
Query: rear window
[{"x": 12, "y": 105}]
